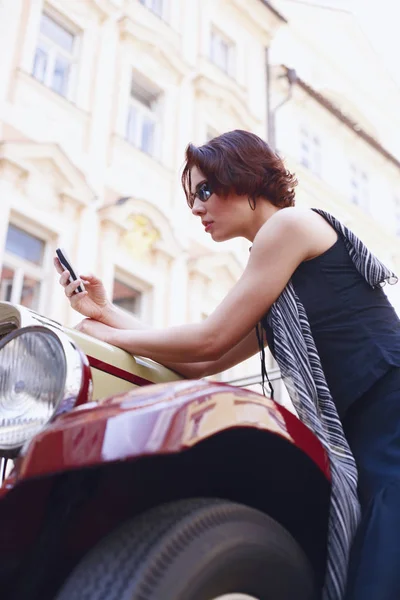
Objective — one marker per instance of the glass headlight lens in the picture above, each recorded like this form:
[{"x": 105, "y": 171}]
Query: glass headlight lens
[{"x": 32, "y": 382}]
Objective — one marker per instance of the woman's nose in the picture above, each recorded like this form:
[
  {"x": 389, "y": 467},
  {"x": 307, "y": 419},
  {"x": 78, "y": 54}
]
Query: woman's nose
[{"x": 198, "y": 207}]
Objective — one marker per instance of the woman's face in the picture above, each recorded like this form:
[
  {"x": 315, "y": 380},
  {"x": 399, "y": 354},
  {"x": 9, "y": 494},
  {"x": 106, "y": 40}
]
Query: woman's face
[{"x": 223, "y": 217}]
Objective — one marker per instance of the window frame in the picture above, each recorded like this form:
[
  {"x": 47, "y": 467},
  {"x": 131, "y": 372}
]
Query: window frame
[
  {"x": 145, "y": 289},
  {"x": 144, "y": 112},
  {"x": 310, "y": 155},
  {"x": 138, "y": 298},
  {"x": 23, "y": 267},
  {"x": 231, "y": 51},
  {"x": 359, "y": 186},
  {"x": 55, "y": 50},
  {"x": 162, "y": 14}
]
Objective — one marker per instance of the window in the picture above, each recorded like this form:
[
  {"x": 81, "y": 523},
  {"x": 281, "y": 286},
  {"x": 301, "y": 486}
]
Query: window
[
  {"x": 310, "y": 151},
  {"x": 222, "y": 52},
  {"x": 22, "y": 272},
  {"x": 143, "y": 116},
  {"x": 127, "y": 297},
  {"x": 55, "y": 55},
  {"x": 156, "y": 6},
  {"x": 359, "y": 185}
]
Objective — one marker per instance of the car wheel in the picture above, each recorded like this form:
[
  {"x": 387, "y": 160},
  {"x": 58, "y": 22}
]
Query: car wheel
[{"x": 197, "y": 549}]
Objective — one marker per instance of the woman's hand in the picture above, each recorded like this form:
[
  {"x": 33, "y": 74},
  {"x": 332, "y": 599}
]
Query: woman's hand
[
  {"x": 93, "y": 303},
  {"x": 96, "y": 329}
]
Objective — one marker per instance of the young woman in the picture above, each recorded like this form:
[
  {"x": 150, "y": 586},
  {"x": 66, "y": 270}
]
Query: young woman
[{"x": 313, "y": 291}]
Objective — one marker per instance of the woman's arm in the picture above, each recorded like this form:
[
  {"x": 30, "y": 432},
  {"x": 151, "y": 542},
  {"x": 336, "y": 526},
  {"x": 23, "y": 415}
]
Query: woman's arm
[
  {"x": 242, "y": 351},
  {"x": 114, "y": 316},
  {"x": 279, "y": 247},
  {"x": 120, "y": 319}
]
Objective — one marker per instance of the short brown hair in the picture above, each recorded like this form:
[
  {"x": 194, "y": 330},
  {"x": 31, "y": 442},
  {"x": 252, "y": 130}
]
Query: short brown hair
[{"x": 241, "y": 162}]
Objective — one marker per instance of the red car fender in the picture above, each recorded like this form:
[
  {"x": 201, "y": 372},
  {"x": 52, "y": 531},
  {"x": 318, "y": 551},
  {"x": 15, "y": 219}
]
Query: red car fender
[{"x": 158, "y": 419}]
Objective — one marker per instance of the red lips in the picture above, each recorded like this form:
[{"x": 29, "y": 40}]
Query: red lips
[{"x": 207, "y": 224}]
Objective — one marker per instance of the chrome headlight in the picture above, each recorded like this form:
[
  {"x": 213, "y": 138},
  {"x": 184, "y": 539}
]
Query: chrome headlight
[{"x": 41, "y": 376}]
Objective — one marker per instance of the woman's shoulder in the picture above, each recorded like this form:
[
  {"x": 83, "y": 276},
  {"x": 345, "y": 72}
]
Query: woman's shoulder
[
  {"x": 299, "y": 215},
  {"x": 301, "y": 219},
  {"x": 302, "y": 223},
  {"x": 284, "y": 223}
]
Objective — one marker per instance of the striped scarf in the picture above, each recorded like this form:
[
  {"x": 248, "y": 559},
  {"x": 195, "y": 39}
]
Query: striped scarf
[{"x": 299, "y": 362}]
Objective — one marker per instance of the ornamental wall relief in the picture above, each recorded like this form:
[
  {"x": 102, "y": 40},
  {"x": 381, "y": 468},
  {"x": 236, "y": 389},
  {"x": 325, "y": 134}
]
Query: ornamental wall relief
[{"x": 140, "y": 237}]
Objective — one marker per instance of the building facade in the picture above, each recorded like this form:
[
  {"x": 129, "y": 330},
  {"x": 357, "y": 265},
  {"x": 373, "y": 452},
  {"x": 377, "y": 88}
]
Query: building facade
[
  {"x": 336, "y": 122},
  {"x": 98, "y": 100}
]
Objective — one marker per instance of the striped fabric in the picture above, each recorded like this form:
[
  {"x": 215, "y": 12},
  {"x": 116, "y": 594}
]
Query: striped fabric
[{"x": 298, "y": 359}]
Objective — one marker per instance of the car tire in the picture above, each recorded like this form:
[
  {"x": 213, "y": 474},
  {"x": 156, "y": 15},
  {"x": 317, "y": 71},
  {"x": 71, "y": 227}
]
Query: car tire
[{"x": 197, "y": 549}]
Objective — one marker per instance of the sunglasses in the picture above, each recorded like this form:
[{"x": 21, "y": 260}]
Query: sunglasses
[{"x": 203, "y": 193}]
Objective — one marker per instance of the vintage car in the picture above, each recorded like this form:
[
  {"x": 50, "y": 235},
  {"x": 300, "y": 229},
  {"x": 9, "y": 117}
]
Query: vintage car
[{"x": 129, "y": 482}]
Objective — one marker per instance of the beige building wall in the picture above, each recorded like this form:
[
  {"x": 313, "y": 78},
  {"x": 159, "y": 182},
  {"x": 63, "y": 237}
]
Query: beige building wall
[{"x": 98, "y": 99}]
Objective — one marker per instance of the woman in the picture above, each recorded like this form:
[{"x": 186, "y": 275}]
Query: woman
[{"x": 314, "y": 289}]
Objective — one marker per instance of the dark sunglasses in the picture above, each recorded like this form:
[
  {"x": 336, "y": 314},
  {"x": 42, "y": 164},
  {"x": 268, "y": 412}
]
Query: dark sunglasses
[{"x": 203, "y": 193}]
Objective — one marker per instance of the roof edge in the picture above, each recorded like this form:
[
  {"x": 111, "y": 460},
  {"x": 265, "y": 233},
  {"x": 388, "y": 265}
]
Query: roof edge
[
  {"x": 274, "y": 11},
  {"x": 344, "y": 118}
]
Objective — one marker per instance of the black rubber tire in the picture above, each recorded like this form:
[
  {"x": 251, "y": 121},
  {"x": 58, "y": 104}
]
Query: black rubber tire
[{"x": 195, "y": 549}]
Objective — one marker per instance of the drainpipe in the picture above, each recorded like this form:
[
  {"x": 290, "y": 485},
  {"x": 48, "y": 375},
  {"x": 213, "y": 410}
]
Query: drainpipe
[
  {"x": 268, "y": 96},
  {"x": 291, "y": 76}
]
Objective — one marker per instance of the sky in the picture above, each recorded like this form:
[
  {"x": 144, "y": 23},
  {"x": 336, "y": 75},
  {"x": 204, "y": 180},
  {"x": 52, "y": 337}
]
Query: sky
[{"x": 380, "y": 21}]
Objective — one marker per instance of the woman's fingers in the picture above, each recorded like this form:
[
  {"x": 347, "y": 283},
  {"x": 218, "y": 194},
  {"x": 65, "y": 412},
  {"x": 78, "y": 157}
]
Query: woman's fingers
[
  {"x": 64, "y": 279},
  {"x": 78, "y": 296},
  {"x": 71, "y": 287},
  {"x": 90, "y": 279},
  {"x": 58, "y": 265}
]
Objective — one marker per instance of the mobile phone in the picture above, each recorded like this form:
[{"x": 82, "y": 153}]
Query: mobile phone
[{"x": 66, "y": 263}]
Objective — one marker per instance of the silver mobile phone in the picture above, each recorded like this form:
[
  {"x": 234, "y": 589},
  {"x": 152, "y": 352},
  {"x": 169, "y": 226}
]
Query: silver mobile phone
[{"x": 66, "y": 263}]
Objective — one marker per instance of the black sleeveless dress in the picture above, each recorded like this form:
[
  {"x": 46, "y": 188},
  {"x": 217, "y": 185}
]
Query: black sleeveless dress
[
  {"x": 355, "y": 328},
  {"x": 357, "y": 334}
]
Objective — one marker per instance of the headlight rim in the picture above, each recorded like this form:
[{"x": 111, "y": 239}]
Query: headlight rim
[{"x": 73, "y": 384}]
